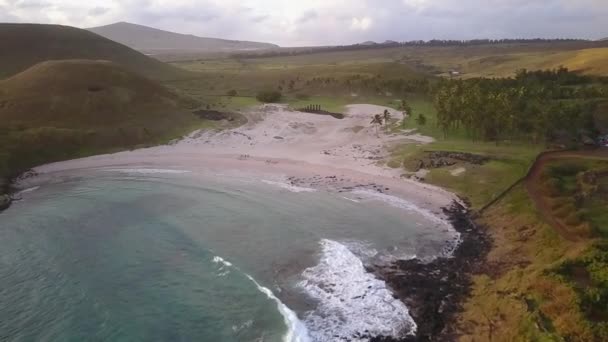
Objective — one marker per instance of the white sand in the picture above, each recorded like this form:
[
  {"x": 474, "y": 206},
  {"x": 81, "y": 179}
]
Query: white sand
[{"x": 282, "y": 143}]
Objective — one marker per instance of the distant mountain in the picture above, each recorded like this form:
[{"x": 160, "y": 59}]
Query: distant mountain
[
  {"x": 390, "y": 42},
  {"x": 151, "y": 40},
  {"x": 603, "y": 39},
  {"x": 369, "y": 42},
  {"x": 24, "y": 45}
]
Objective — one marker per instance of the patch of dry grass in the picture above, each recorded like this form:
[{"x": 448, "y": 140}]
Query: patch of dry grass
[{"x": 519, "y": 298}]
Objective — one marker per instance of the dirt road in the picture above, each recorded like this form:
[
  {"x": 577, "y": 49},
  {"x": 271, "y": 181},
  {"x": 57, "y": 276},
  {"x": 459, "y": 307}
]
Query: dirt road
[{"x": 533, "y": 185}]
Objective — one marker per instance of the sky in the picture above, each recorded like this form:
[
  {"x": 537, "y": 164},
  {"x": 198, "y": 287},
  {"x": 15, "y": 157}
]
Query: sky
[{"x": 330, "y": 22}]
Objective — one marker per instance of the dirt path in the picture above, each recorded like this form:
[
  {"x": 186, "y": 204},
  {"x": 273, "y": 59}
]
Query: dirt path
[{"x": 533, "y": 186}]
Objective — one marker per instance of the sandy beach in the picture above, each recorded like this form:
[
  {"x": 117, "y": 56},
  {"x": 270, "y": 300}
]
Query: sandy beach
[{"x": 309, "y": 150}]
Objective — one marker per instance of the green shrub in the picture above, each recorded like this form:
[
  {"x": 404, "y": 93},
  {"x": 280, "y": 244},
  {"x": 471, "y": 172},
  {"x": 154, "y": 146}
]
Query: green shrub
[
  {"x": 302, "y": 97},
  {"x": 232, "y": 93},
  {"x": 421, "y": 119},
  {"x": 269, "y": 96}
]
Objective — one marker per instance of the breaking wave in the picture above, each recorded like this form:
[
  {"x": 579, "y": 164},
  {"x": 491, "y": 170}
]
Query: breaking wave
[
  {"x": 296, "y": 331},
  {"x": 288, "y": 187},
  {"x": 352, "y": 303},
  {"x": 148, "y": 171}
]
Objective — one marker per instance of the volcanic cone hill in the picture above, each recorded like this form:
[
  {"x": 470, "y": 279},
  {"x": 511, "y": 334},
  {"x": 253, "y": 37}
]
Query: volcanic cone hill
[
  {"x": 63, "y": 109},
  {"x": 24, "y": 45}
]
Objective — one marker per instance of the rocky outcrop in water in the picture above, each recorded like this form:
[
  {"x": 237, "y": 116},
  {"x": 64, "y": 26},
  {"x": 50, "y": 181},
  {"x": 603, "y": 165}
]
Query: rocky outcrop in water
[{"x": 5, "y": 202}]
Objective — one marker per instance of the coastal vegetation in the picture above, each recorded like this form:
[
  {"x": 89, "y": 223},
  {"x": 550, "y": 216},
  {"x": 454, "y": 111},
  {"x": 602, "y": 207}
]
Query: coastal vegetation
[
  {"x": 536, "y": 105},
  {"x": 541, "y": 281},
  {"x": 269, "y": 96}
]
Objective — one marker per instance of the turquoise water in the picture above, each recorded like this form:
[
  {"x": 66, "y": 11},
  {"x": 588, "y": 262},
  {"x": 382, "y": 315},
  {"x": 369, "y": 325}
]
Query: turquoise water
[{"x": 126, "y": 256}]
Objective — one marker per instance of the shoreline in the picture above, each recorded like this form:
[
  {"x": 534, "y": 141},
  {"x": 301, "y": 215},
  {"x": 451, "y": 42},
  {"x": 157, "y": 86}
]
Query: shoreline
[{"x": 432, "y": 291}]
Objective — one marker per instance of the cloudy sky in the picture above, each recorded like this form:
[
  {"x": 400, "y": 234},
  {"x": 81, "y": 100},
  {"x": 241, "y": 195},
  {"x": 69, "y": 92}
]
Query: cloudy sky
[{"x": 330, "y": 22}]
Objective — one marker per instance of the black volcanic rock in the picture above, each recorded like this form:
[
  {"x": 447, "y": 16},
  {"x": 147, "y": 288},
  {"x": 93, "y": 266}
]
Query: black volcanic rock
[{"x": 434, "y": 291}]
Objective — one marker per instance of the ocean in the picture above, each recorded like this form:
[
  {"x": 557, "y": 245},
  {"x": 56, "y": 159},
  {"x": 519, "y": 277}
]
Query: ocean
[{"x": 168, "y": 255}]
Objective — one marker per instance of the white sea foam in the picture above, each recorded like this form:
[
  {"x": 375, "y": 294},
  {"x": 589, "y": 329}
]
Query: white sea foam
[
  {"x": 289, "y": 187},
  {"x": 453, "y": 240},
  {"x": 148, "y": 171},
  {"x": 245, "y": 325},
  {"x": 351, "y": 199},
  {"x": 296, "y": 331},
  {"x": 224, "y": 268},
  {"x": 220, "y": 260},
  {"x": 400, "y": 203},
  {"x": 32, "y": 189},
  {"x": 352, "y": 303}
]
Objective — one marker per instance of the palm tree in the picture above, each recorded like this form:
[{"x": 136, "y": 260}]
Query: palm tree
[
  {"x": 405, "y": 110},
  {"x": 387, "y": 117},
  {"x": 377, "y": 121}
]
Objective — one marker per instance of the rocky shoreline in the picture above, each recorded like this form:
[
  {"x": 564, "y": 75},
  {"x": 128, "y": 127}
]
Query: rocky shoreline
[
  {"x": 5, "y": 201},
  {"x": 7, "y": 189},
  {"x": 434, "y": 291}
]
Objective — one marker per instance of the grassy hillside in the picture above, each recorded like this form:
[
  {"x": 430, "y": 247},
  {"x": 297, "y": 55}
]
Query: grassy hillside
[
  {"x": 330, "y": 80},
  {"x": 376, "y": 75},
  {"x": 24, "y": 45},
  {"x": 500, "y": 60},
  {"x": 153, "y": 41},
  {"x": 495, "y": 64},
  {"x": 63, "y": 109},
  {"x": 537, "y": 285}
]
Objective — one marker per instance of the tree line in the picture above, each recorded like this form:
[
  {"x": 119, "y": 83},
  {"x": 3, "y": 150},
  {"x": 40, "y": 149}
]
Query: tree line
[
  {"x": 285, "y": 52},
  {"x": 534, "y": 105}
]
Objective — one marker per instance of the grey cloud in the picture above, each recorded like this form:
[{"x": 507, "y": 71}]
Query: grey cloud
[
  {"x": 97, "y": 11},
  {"x": 260, "y": 18},
  {"x": 308, "y": 16},
  {"x": 274, "y": 20},
  {"x": 7, "y": 17},
  {"x": 32, "y": 4}
]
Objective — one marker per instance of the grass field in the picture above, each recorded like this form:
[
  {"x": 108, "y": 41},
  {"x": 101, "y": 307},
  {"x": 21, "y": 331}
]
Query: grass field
[
  {"x": 298, "y": 81},
  {"x": 520, "y": 297},
  {"x": 578, "y": 190},
  {"x": 333, "y": 79},
  {"x": 472, "y": 61},
  {"x": 587, "y": 61},
  {"x": 531, "y": 289},
  {"x": 479, "y": 183},
  {"x": 565, "y": 281}
]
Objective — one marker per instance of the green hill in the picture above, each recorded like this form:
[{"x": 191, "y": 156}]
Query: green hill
[
  {"x": 155, "y": 41},
  {"x": 63, "y": 109},
  {"x": 24, "y": 45}
]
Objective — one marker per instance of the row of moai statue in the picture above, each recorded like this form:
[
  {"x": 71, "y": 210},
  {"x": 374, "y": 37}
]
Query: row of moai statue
[{"x": 313, "y": 108}]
